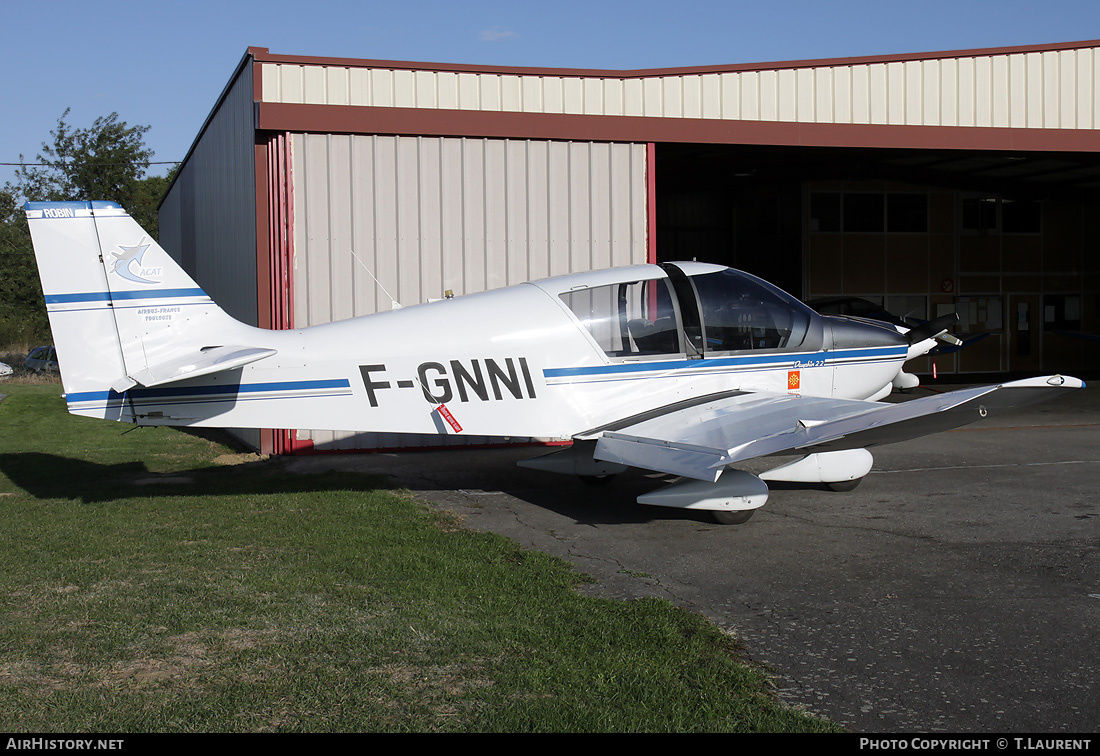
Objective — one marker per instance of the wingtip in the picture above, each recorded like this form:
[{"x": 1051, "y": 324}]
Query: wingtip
[{"x": 1057, "y": 381}]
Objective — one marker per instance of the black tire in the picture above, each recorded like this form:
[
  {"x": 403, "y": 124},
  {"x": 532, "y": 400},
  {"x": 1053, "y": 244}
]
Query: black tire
[
  {"x": 844, "y": 485},
  {"x": 732, "y": 517},
  {"x": 596, "y": 480}
]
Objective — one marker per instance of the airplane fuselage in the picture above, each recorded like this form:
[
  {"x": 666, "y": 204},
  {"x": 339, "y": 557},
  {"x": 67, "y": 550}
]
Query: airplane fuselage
[{"x": 517, "y": 361}]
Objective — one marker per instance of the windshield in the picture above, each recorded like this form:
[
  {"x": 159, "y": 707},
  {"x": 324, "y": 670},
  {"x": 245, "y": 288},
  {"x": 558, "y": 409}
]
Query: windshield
[{"x": 740, "y": 311}]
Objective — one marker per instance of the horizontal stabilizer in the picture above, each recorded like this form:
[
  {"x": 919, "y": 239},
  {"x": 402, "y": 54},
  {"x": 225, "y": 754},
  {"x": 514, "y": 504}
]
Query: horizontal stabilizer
[{"x": 204, "y": 362}]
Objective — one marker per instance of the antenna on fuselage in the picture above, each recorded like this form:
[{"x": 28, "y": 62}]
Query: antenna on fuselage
[{"x": 394, "y": 304}]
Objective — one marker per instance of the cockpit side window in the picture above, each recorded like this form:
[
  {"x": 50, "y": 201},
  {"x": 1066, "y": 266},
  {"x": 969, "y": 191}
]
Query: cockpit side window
[
  {"x": 635, "y": 318},
  {"x": 742, "y": 312}
]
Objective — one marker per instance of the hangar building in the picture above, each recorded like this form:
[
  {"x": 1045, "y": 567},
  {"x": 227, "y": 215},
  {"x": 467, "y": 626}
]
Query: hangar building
[{"x": 322, "y": 188}]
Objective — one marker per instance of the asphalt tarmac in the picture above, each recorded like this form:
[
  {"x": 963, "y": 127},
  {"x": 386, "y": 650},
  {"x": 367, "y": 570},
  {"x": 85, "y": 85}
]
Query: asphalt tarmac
[{"x": 957, "y": 589}]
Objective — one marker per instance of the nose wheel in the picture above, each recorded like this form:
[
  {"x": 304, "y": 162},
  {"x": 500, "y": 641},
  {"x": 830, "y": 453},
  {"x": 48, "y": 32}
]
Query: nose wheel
[
  {"x": 732, "y": 517},
  {"x": 597, "y": 480}
]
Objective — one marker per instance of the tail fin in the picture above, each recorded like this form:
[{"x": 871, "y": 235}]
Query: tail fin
[{"x": 122, "y": 311}]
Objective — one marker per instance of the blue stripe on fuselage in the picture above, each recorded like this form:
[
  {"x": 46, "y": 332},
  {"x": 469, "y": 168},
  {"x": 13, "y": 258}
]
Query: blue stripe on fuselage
[
  {"x": 169, "y": 392},
  {"x": 762, "y": 360}
]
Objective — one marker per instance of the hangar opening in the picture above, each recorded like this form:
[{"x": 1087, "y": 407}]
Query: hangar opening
[{"x": 1003, "y": 238}]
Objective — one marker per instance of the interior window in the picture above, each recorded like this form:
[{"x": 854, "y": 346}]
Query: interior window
[
  {"x": 742, "y": 312},
  {"x": 625, "y": 319}
]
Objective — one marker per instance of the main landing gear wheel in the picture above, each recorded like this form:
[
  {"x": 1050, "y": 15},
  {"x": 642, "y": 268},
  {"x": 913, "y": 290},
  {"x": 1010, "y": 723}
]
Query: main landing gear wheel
[
  {"x": 844, "y": 485},
  {"x": 732, "y": 517},
  {"x": 597, "y": 480}
]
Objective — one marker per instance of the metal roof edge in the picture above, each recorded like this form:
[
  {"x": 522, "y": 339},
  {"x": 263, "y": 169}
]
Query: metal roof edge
[{"x": 263, "y": 55}]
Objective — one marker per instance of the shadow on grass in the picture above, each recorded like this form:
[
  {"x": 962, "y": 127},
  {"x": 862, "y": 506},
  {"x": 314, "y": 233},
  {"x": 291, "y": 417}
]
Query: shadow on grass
[
  {"x": 460, "y": 478},
  {"x": 59, "y": 478},
  {"x": 53, "y": 477},
  {"x": 50, "y": 476}
]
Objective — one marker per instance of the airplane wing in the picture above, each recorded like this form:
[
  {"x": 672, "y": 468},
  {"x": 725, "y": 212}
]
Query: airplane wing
[{"x": 699, "y": 440}]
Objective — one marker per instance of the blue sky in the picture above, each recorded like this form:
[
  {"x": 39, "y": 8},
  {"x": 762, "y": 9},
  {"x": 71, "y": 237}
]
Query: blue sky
[{"x": 163, "y": 64}]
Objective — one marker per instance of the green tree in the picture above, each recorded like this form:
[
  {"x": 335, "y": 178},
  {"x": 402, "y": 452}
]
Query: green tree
[
  {"x": 145, "y": 199},
  {"x": 22, "y": 311},
  {"x": 103, "y": 162},
  {"x": 106, "y": 161}
]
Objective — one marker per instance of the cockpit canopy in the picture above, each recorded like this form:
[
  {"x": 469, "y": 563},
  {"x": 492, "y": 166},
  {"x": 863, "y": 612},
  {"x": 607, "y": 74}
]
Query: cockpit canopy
[{"x": 692, "y": 309}]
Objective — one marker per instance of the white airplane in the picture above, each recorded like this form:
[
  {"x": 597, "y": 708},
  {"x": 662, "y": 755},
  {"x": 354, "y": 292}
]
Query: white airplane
[{"x": 682, "y": 368}]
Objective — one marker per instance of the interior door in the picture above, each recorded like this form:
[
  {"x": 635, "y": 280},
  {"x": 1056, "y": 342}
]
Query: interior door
[{"x": 1025, "y": 329}]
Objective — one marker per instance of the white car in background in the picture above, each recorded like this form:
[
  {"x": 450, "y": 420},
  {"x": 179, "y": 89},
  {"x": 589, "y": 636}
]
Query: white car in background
[{"x": 5, "y": 371}]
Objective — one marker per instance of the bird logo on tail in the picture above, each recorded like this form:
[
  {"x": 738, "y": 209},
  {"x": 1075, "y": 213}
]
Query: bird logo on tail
[{"x": 124, "y": 263}]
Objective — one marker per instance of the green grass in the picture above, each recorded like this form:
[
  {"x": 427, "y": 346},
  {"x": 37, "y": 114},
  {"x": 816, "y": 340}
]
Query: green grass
[{"x": 146, "y": 587}]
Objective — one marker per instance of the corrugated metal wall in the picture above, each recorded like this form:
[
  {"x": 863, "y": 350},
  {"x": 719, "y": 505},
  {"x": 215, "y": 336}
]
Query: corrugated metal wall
[
  {"x": 424, "y": 215},
  {"x": 208, "y": 218},
  {"x": 1053, "y": 89}
]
